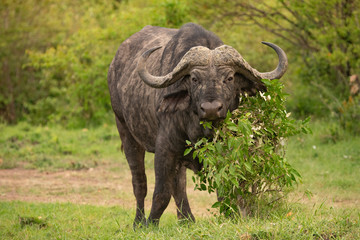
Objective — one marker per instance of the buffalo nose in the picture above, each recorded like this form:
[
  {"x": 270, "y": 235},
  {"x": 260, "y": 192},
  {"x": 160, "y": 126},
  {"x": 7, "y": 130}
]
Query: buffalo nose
[{"x": 211, "y": 110}]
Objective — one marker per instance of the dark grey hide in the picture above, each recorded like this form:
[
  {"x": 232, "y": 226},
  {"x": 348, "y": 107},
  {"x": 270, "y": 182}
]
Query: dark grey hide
[{"x": 157, "y": 114}]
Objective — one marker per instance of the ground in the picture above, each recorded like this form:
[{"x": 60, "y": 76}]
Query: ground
[
  {"x": 41, "y": 167},
  {"x": 102, "y": 186}
]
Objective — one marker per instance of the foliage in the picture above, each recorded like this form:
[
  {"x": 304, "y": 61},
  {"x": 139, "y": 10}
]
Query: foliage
[
  {"x": 23, "y": 27},
  {"x": 59, "y": 76},
  {"x": 350, "y": 115},
  {"x": 175, "y": 14},
  {"x": 74, "y": 73},
  {"x": 27, "y": 33},
  {"x": 245, "y": 162}
]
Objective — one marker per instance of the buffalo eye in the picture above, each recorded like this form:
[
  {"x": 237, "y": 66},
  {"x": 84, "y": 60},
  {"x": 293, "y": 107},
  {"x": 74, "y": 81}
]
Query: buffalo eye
[
  {"x": 229, "y": 79},
  {"x": 194, "y": 79}
]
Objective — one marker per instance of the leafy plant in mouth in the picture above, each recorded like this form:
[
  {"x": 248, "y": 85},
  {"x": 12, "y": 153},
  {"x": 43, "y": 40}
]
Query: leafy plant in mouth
[{"x": 244, "y": 162}]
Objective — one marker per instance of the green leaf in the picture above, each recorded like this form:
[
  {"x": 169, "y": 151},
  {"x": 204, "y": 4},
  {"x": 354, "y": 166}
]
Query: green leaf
[
  {"x": 218, "y": 148},
  {"x": 195, "y": 153},
  {"x": 233, "y": 128},
  {"x": 248, "y": 167},
  {"x": 187, "y": 151},
  {"x": 198, "y": 143},
  {"x": 216, "y": 205}
]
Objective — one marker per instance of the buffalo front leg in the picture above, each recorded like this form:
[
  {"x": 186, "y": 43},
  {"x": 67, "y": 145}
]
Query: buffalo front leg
[
  {"x": 165, "y": 163},
  {"x": 135, "y": 156},
  {"x": 180, "y": 196}
]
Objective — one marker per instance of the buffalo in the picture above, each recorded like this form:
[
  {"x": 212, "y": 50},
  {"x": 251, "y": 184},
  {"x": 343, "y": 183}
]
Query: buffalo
[{"x": 162, "y": 83}]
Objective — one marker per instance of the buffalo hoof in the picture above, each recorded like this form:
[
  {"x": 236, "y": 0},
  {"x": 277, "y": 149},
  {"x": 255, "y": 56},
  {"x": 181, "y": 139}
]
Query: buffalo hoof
[
  {"x": 139, "y": 223},
  {"x": 152, "y": 222},
  {"x": 186, "y": 221}
]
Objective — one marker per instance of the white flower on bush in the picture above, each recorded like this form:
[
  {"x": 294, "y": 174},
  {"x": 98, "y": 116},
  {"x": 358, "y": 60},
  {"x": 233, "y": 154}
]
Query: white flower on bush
[
  {"x": 282, "y": 141},
  {"x": 255, "y": 128},
  {"x": 263, "y": 96}
]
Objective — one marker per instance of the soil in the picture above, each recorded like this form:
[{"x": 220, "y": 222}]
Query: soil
[{"x": 95, "y": 186}]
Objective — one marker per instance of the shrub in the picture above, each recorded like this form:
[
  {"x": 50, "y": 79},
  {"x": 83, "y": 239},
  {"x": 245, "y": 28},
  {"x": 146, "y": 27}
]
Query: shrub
[{"x": 245, "y": 160}]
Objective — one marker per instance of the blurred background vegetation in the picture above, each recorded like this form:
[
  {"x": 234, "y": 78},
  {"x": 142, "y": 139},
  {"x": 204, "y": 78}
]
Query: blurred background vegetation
[{"x": 54, "y": 55}]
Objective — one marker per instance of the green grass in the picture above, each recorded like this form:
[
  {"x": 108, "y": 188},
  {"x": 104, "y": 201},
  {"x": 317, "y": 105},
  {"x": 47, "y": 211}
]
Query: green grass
[
  {"x": 20, "y": 220},
  {"x": 329, "y": 165},
  {"x": 328, "y": 161},
  {"x": 52, "y": 148},
  {"x": 56, "y": 148}
]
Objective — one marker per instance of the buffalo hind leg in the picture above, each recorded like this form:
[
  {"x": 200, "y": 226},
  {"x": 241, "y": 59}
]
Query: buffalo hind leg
[
  {"x": 180, "y": 196},
  {"x": 135, "y": 156}
]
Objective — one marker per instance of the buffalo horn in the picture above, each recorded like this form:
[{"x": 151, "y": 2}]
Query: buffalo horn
[
  {"x": 197, "y": 56},
  {"x": 160, "y": 81},
  {"x": 281, "y": 67}
]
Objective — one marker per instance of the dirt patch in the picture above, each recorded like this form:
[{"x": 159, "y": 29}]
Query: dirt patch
[
  {"x": 107, "y": 186},
  {"x": 95, "y": 186}
]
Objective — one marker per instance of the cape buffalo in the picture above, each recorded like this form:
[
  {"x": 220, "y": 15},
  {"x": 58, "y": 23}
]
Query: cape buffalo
[{"x": 162, "y": 83}]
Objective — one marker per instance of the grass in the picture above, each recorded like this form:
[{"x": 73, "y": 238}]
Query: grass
[
  {"x": 21, "y": 220},
  {"x": 328, "y": 160},
  {"x": 53, "y": 148},
  {"x": 56, "y": 148},
  {"x": 330, "y": 165}
]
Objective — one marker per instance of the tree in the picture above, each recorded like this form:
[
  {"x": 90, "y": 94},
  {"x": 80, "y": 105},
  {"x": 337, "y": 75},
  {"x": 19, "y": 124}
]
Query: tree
[
  {"x": 28, "y": 25},
  {"x": 18, "y": 32}
]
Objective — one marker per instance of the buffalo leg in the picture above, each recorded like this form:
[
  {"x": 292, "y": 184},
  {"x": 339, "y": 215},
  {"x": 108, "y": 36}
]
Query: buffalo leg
[
  {"x": 164, "y": 175},
  {"x": 135, "y": 156},
  {"x": 180, "y": 196}
]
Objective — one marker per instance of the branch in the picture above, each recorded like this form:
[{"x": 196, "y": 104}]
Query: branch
[
  {"x": 254, "y": 14},
  {"x": 275, "y": 200}
]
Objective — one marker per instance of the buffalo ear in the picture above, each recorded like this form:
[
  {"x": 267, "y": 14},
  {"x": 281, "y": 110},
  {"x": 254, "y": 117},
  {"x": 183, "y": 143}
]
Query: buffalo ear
[
  {"x": 248, "y": 86},
  {"x": 173, "y": 102}
]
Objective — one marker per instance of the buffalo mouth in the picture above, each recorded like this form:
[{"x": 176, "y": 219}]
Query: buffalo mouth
[
  {"x": 214, "y": 120},
  {"x": 209, "y": 132}
]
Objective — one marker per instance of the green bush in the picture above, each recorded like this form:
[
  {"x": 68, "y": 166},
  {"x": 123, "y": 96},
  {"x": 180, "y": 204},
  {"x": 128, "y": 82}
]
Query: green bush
[
  {"x": 73, "y": 84},
  {"x": 245, "y": 161},
  {"x": 175, "y": 14}
]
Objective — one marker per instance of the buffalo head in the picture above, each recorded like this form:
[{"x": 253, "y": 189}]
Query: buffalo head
[{"x": 214, "y": 80}]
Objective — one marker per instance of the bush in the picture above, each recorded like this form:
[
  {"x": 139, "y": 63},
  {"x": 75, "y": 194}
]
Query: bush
[{"x": 245, "y": 161}]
